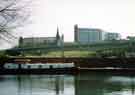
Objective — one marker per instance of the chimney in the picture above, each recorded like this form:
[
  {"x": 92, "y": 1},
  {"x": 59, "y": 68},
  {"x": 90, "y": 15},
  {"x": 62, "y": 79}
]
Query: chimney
[{"x": 76, "y": 34}]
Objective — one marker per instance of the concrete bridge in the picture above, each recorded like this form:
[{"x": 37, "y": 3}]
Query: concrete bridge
[{"x": 67, "y": 47}]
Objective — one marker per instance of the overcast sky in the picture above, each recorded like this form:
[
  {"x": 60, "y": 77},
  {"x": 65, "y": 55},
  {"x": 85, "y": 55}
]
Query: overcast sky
[{"x": 109, "y": 15}]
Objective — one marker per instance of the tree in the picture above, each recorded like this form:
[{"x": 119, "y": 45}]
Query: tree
[{"x": 12, "y": 15}]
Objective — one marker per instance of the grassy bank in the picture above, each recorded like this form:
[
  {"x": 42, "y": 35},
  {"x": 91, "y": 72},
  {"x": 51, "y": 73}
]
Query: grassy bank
[{"x": 66, "y": 54}]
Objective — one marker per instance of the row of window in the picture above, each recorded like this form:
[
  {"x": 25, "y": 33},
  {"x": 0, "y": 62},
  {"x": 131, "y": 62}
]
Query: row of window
[{"x": 38, "y": 66}]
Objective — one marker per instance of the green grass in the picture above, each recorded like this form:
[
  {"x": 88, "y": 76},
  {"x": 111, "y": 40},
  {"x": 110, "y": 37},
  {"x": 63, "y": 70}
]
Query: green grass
[
  {"x": 70, "y": 54},
  {"x": 74, "y": 53}
]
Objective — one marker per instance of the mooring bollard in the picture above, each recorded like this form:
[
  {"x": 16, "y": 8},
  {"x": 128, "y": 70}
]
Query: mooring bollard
[
  {"x": 51, "y": 67},
  {"x": 19, "y": 66}
]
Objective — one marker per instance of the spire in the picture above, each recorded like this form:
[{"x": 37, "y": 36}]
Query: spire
[{"x": 57, "y": 35}]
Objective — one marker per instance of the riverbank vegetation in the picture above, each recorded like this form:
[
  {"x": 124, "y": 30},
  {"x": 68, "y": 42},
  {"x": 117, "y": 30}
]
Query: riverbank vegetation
[{"x": 3, "y": 57}]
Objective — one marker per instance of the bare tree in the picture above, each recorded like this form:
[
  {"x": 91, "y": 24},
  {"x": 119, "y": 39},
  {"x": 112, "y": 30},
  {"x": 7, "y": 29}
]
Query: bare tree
[{"x": 13, "y": 14}]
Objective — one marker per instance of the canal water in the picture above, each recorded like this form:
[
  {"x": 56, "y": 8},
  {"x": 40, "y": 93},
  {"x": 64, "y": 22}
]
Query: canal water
[{"x": 81, "y": 84}]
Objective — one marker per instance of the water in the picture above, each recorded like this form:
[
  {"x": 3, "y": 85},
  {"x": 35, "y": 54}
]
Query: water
[{"x": 82, "y": 84}]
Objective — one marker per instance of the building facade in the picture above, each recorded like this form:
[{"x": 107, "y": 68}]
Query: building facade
[
  {"x": 88, "y": 35},
  {"x": 112, "y": 36},
  {"x": 92, "y": 35},
  {"x": 35, "y": 41}
]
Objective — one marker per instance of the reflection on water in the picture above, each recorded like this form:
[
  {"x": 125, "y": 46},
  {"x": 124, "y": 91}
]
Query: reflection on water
[
  {"x": 97, "y": 84},
  {"x": 37, "y": 85},
  {"x": 82, "y": 84}
]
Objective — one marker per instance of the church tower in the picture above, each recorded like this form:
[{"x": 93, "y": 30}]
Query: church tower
[
  {"x": 57, "y": 35},
  {"x": 58, "y": 38}
]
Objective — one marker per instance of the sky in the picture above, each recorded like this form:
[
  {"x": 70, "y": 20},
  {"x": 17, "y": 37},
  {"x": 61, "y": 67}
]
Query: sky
[{"x": 108, "y": 15}]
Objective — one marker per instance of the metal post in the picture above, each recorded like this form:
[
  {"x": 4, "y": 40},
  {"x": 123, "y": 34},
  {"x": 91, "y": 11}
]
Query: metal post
[{"x": 88, "y": 42}]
